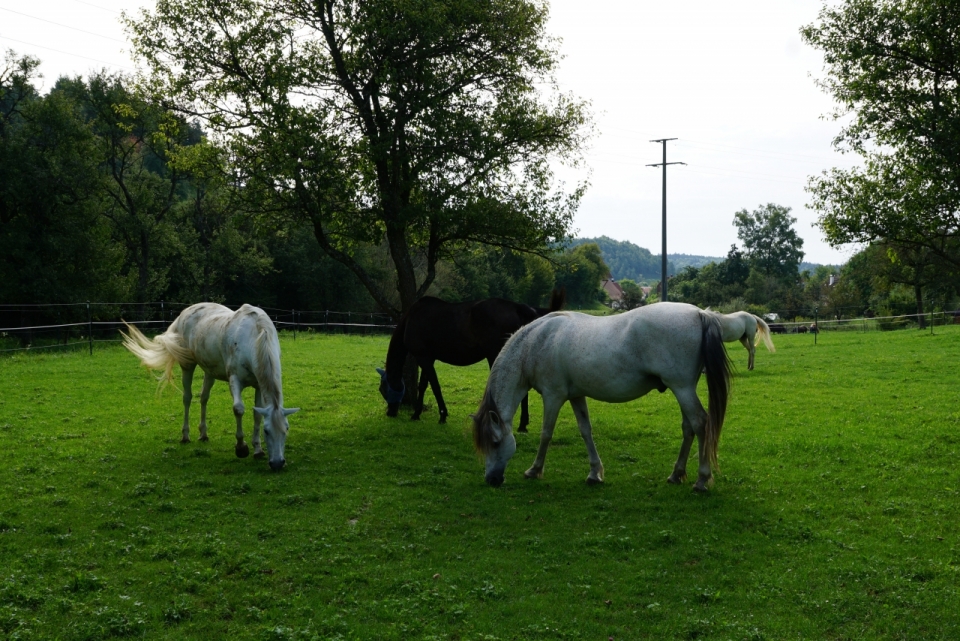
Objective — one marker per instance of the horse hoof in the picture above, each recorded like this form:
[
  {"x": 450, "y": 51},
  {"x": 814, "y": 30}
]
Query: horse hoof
[
  {"x": 185, "y": 439},
  {"x": 243, "y": 451},
  {"x": 415, "y": 417},
  {"x": 204, "y": 438},
  {"x": 700, "y": 489},
  {"x": 259, "y": 455},
  {"x": 676, "y": 479},
  {"x": 443, "y": 420},
  {"x": 594, "y": 481},
  {"x": 533, "y": 474},
  {"x": 522, "y": 428}
]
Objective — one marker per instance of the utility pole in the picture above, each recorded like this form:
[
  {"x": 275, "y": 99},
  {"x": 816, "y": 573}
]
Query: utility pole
[{"x": 663, "y": 252}]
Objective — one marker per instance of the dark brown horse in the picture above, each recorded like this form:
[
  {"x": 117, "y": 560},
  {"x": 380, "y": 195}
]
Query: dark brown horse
[{"x": 457, "y": 334}]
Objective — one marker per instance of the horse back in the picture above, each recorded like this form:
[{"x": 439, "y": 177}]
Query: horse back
[{"x": 224, "y": 342}]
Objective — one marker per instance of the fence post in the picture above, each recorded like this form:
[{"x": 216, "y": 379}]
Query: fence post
[
  {"x": 293, "y": 313},
  {"x": 89, "y": 328},
  {"x": 816, "y": 323}
]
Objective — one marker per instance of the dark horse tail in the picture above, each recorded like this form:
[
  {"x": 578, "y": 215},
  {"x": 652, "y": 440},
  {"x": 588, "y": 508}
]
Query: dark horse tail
[
  {"x": 717, "y": 365},
  {"x": 558, "y": 299}
]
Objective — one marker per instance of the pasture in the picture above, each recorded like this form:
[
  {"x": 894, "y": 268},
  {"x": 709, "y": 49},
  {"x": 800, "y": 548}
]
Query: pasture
[{"x": 835, "y": 514}]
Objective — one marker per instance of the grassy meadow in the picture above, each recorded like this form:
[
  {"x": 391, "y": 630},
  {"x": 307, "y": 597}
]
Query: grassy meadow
[{"x": 835, "y": 515}]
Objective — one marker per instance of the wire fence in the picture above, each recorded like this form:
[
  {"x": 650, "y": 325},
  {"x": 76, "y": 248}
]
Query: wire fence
[
  {"x": 927, "y": 321},
  {"x": 51, "y": 327},
  {"x": 55, "y": 327}
]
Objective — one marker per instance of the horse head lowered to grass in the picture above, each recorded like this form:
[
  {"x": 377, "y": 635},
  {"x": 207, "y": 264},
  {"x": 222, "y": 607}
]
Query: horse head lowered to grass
[
  {"x": 570, "y": 356},
  {"x": 457, "y": 334},
  {"x": 239, "y": 347}
]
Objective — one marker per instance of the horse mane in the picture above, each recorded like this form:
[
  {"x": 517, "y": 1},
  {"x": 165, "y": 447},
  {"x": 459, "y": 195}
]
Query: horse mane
[
  {"x": 268, "y": 361},
  {"x": 716, "y": 362},
  {"x": 397, "y": 350},
  {"x": 482, "y": 434}
]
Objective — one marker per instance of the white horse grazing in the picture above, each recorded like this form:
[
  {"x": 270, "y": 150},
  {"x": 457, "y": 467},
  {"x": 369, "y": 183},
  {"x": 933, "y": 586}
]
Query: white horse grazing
[
  {"x": 571, "y": 356},
  {"x": 748, "y": 329},
  {"x": 238, "y": 347}
]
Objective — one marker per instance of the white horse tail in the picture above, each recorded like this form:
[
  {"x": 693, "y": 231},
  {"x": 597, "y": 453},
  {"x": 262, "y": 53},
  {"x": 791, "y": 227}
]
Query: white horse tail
[
  {"x": 717, "y": 365},
  {"x": 763, "y": 331},
  {"x": 159, "y": 354}
]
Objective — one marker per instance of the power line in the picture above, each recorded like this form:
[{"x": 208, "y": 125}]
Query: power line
[
  {"x": 91, "y": 33},
  {"x": 96, "y": 6},
  {"x": 66, "y": 53}
]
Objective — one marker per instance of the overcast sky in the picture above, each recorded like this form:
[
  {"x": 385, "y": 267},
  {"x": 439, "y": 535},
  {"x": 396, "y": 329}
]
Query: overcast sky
[{"x": 731, "y": 80}]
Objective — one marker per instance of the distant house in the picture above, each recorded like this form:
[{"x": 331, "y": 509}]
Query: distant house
[
  {"x": 646, "y": 291},
  {"x": 614, "y": 291}
]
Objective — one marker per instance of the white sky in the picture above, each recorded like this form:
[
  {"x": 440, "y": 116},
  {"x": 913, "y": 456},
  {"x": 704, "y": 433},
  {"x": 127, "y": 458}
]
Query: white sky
[{"x": 731, "y": 80}]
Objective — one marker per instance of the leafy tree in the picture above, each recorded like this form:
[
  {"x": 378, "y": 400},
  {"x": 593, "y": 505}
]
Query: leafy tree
[
  {"x": 419, "y": 125},
  {"x": 893, "y": 67},
  {"x": 632, "y": 294},
  {"x": 580, "y": 271},
  {"x": 141, "y": 189},
  {"x": 771, "y": 245},
  {"x": 55, "y": 246}
]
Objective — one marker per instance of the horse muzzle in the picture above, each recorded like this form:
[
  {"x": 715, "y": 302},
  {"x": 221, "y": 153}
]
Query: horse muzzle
[
  {"x": 276, "y": 466},
  {"x": 494, "y": 478}
]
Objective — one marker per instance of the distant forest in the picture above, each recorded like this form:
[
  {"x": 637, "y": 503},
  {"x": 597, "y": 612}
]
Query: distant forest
[{"x": 627, "y": 260}]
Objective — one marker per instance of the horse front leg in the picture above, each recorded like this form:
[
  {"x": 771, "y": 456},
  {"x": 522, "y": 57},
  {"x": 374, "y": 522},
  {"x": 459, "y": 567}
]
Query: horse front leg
[
  {"x": 579, "y": 406},
  {"x": 524, "y": 413},
  {"x": 257, "y": 402},
  {"x": 694, "y": 424},
  {"x": 431, "y": 373},
  {"x": 187, "y": 380},
  {"x": 208, "y": 381},
  {"x": 551, "y": 409},
  {"x": 421, "y": 391},
  {"x": 236, "y": 389}
]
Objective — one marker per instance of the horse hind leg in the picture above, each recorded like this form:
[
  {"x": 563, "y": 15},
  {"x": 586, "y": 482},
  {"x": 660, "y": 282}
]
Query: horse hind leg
[
  {"x": 579, "y": 406},
  {"x": 187, "y": 379},
  {"x": 694, "y": 424},
  {"x": 208, "y": 381},
  {"x": 747, "y": 342}
]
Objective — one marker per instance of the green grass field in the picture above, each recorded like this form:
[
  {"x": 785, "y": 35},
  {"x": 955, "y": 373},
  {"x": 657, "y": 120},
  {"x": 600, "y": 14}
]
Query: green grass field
[{"x": 835, "y": 515}]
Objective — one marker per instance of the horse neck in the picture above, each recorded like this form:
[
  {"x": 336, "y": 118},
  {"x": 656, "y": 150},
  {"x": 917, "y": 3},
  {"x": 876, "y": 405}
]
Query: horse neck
[
  {"x": 507, "y": 384},
  {"x": 397, "y": 354}
]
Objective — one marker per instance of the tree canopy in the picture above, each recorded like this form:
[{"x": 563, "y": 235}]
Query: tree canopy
[
  {"x": 894, "y": 70},
  {"x": 770, "y": 243},
  {"x": 425, "y": 126}
]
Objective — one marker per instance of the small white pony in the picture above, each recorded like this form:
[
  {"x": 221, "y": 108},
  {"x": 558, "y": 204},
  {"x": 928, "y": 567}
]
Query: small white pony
[
  {"x": 570, "y": 356},
  {"x": 746, "y": 328},
  {"x": 238, "y": 347}
]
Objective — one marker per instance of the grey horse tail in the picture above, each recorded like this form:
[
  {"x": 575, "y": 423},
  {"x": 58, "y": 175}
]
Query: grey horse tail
[{"x": 719, "y": 373}]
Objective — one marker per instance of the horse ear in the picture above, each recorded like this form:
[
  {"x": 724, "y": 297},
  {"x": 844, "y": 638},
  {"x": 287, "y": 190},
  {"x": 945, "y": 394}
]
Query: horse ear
[
  {"x": 262, "y": 411},
  {"x": 291, "y": 410},
  {"x": 496, "y": 427},
  {"x": 382, "y": 373}
]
